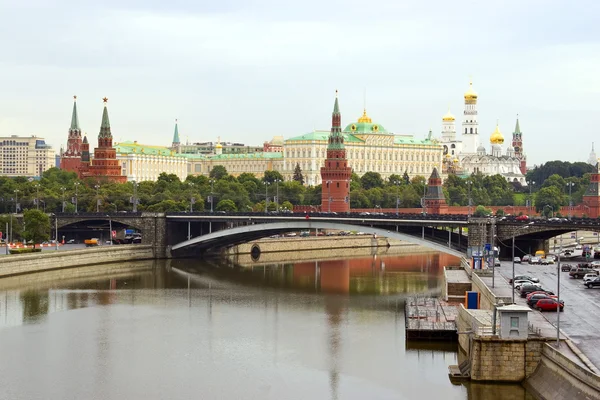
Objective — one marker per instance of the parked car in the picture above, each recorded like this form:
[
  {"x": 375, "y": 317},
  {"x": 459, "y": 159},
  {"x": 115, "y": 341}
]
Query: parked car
[
  {"x": 593, "y": 283},
  {"x": 566, "y": 267},
  {"x": 579, "y": 272},
  {"x": 534, "y": 260},
  {"x": 517, "y": 260},
  {"x": 546, "y": 261},
  {"x": 549, "y": 305},
  {"x": 527, "y": 288},
  {"x": 527, "y": 277},
  {"x": 533, "y": 299},
  {"x": 590, "y": 276},
  {"x": 523, "y": 218},
  {"x": 547, "y": 292},
  {"x": 526, "y": 258},
  {"x": 519, "y": 283}
]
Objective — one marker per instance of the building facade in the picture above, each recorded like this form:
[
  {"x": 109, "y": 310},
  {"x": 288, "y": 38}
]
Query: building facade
[
  {"x": 141, "y": 162},
  {"x": 236, "y": 164},
  {"x": 368, "y": 146},
  {"x": 25, "y": 156}
]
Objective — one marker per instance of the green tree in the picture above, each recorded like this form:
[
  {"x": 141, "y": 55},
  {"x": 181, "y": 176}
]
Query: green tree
[
  {"x": 37, "y": 226},
  {"x": 549, "y": 196},
  {"x": 226, "y": 205},
  {"x": 167, "y": 206},
  {"x": 218, "y": 172},
  {"x": 481, "y": 211},
  {"x": 286, "y": 205},
  {"x": 298, "y": 174},
  {"x": 557, "y": 181},
  {"x": 371, "y": 180},
  {"x": 272, "y": 176}
]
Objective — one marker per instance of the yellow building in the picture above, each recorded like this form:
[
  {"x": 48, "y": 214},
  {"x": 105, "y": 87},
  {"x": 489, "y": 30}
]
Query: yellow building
[
  {"x": 235, "y": 164},
  {"x": 142, "y": 162},
  {"x": 369, "y": 148}
]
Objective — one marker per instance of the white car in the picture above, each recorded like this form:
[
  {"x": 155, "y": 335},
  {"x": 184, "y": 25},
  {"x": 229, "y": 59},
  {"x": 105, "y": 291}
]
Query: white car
[
  {"x": 521, "y": 282},
  {"x": 589, "y": 277},
  {"x": 579, "y": 247}
]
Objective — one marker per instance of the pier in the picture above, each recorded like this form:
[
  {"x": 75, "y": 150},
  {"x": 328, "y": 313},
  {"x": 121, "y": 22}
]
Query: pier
[{"x": 429, "y": 318}]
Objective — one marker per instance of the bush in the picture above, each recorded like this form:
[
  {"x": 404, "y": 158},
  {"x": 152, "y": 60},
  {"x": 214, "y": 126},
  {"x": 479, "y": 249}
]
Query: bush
[{"x": 24, "y": 251}]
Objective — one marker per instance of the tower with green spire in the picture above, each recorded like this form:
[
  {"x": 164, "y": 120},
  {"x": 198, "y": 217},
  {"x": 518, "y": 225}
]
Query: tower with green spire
[
  {"x": 335, "y": 174},
  {"x": 517, "y": 144},
  {"x": 175, "y": 145},
  {"x": 70, "y": 159}
]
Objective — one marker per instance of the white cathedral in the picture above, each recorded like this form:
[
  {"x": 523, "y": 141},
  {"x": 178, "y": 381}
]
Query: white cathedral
[{"x": 468, "y": 155}]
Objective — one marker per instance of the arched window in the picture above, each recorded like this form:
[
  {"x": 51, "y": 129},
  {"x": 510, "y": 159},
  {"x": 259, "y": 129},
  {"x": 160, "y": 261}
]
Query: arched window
[{"x": 471, "y": 130}]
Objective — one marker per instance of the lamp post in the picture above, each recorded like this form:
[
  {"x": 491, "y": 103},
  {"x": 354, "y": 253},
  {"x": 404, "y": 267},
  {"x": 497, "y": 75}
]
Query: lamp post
[
  {"x": 397, "y": 183},
  {"x": 267, "y": 197},
  {"x": 329, "y": 196},
  {"x": 56, "y": 232},
  {"x": 189, "y": 235},
  {"x": 530, "y": 184},
  {"x": 16, "y": 201},
  {"x": 277, "y": 194},
  {"x": 424, "y": 203},
  {"x": 135, "y": 200},
  {"x": 513, "y": 258},
  {"x": 212, "y": 183},
  {"x": 76, "y": 200},
  {"x": 469, "y": 184},
  {"x": 37, "y": 196},
  {"x": 63, "y": 198},
  {"x": 558, "y": 296},
  {"x": 570, "y": 185},
  {"x": 110, "y": 230},
  {"x": 97, "y": 199}
]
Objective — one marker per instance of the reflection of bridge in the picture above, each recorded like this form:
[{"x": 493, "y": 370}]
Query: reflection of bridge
[{"x": 190, "y": 233}]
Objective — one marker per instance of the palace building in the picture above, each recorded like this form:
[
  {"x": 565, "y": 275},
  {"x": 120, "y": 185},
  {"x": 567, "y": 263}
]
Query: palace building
[{"x": 368, "y": 146}]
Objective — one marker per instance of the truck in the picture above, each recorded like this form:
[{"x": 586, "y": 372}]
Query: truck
[
  {"x": 126, "y": 236},
  {"x": 91, "y": 242}
]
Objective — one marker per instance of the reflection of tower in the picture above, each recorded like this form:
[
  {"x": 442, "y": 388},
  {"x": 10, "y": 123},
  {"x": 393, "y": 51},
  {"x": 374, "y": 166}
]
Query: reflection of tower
[
  {"x": 335, "y": 276},
  {"x": 334, "y": 307}
]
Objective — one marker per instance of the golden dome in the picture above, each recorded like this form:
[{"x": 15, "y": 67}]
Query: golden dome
[
  {"x": 448, "y": 116},
  {"x": 470, "y": 95},
  {"x": 365, "y": 117},
  {"x": 497, "y": 137},
  {"x": 219, "y": 146},
  {"x": 455, "y": 160}
]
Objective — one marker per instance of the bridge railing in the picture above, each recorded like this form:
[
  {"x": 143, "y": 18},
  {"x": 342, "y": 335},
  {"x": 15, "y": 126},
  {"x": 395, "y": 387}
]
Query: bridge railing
[{"x": 99, "y": 214}]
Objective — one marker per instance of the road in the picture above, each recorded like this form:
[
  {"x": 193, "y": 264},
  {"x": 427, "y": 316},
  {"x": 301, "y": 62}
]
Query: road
[{"x": 581, "y": 318}]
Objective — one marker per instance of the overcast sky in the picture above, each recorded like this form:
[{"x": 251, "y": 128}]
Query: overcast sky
[{"x": 246, "y": 70}]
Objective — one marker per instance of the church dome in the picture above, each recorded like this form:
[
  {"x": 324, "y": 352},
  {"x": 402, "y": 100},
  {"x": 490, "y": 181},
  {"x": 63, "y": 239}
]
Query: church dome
[
  {"x": 219, "y": 145},
  {"x": 481, "y": 149},
  {"x": 364, "y": 125},
  {"x": 497, "y": 137},
  {"x": 448, "y": 117},
  {"x": 470, "y": 95}
]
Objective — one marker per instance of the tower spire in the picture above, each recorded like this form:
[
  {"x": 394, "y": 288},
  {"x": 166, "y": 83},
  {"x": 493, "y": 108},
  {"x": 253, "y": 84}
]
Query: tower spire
[
  {"x": 105, "y": 126},
  {"x": 336, "y": 139},
  {"x": 74, "y": 117},
  {"x": 176, "y": 134}
]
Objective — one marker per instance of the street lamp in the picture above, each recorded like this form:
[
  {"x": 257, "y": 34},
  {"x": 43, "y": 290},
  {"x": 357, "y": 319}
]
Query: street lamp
[
  {"x": 212, "y": 183},
  {"x": 56, "y": 232},
  {"x": 16, "y": 201},
  {"x": 558, "y": 296},
  {"x": 397, "y": 183},
  {"x": 135, "y": 200},
  {"x": 423, "y": 203},
  {"x": 76, "y": 200},
  {"x": 513, "y": 258},
  {"x": 97, "y": 199},
  {"x": 110, "y": 237},
  {"x": 328, "y": 196},
  {"x": 530, "y": 184},
  {"x": 469, "y": 184},
  {"x": 192, "y": 200},
  {"x": 277, "y": 194},
  {"x": 63, "y": 199},
  {"x": 267, "y": 197},
  {"x": 37, "y": 196},
  {"x": 570, "y": 185}
]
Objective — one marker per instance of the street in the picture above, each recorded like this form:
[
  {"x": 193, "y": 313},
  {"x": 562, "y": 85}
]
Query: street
[{"x": 581, "y": 317}]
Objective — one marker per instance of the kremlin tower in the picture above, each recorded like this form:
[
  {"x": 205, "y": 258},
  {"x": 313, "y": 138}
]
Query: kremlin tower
[
  {"x": 470, "y": 125},
  {"x": 517, "y": 144},
  {"x": 105, "y": 165},
  {"x": 335, "y": 175},
  {"x": 70, "y": 160},
  {"x": 434, "y": 200}
]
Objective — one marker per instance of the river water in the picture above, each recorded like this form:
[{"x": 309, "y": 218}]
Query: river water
[{"x": 182, "y": 329}]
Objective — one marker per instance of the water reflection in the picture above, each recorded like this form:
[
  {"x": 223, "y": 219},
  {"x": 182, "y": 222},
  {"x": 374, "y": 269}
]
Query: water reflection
[{"x": 321, "y": 329}]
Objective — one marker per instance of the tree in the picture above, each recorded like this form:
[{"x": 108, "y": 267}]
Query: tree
[
  {"x": 286, "y": 205},
  {"x": 272, "y": 176},
  {"x": 405, "y": 177},
  {"x": 226, "y": 205},
  {"x": 371, "y": 180},
  {"x": 298, "y": 174},
  {"x": 37, "y": 226},
  {"x": 557, "y": 181},
  {"x": 549, "y": 196},
  {"x": 481, "y": 211},
  {"x": 218, "y": 172}
]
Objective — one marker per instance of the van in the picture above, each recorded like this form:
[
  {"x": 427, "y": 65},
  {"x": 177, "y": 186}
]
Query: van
[{"x": 540, "y": 253}]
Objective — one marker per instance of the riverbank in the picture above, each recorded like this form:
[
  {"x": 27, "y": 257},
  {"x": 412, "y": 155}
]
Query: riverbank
[{"x": 19, "y": 264}]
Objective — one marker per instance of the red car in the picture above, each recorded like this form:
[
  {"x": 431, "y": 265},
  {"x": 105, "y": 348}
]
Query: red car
[
  {"x": 549, "y": 305},
  {"x": 523, "y": 218},
  {"x": 546, "y": 292}
]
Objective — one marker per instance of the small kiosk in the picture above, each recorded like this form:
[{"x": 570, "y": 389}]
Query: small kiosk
[{"x": 514, "y": 322}]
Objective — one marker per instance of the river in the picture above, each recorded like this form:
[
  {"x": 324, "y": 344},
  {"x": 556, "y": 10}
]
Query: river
[{"x": 181, "y": 329}]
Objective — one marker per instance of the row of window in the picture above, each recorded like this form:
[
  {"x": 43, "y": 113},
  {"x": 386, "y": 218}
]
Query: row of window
[{"x": 370, "y": 155}]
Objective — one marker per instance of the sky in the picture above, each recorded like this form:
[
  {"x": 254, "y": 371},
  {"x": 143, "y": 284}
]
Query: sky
[{"x": 247, "y": 70}]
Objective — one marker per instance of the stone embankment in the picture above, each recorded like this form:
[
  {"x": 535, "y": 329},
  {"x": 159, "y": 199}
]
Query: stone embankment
[{"x": 47, "y": 261}]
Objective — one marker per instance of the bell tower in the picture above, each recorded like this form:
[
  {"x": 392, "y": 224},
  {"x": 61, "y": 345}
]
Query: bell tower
[
  {"x": 70, "y": 159},
  {"x": 335, "y": 175}
]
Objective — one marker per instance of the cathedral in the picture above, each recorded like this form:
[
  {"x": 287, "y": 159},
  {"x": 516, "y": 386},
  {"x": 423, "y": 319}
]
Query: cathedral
[
  {"x": 467, "y": 155},
  {"x": 104, "y": 166}
]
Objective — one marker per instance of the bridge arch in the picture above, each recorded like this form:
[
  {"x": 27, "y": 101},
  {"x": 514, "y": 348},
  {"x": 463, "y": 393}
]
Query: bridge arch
[{"x": 242, "y": 234}]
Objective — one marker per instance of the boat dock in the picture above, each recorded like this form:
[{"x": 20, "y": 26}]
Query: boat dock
[{"x": 429, "y": 318}]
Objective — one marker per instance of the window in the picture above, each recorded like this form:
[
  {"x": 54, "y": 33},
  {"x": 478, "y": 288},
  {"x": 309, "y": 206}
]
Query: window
[{"x": 514, "y": 322}]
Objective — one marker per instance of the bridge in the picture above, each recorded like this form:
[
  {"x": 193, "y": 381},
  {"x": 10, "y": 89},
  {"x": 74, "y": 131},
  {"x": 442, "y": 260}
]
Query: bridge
[{"x": 180, "y": 234}]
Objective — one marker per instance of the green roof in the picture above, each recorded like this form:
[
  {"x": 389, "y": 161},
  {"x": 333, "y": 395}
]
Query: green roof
[
  {"x": 364, "y": 127},
  {"x": 324, "y": 137},
  {"x": 134, "y": 147},
  {"x": 412, "y": 140},
  {"x": 105, "y": 126},
  {"x": 245, "y": 156}
]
